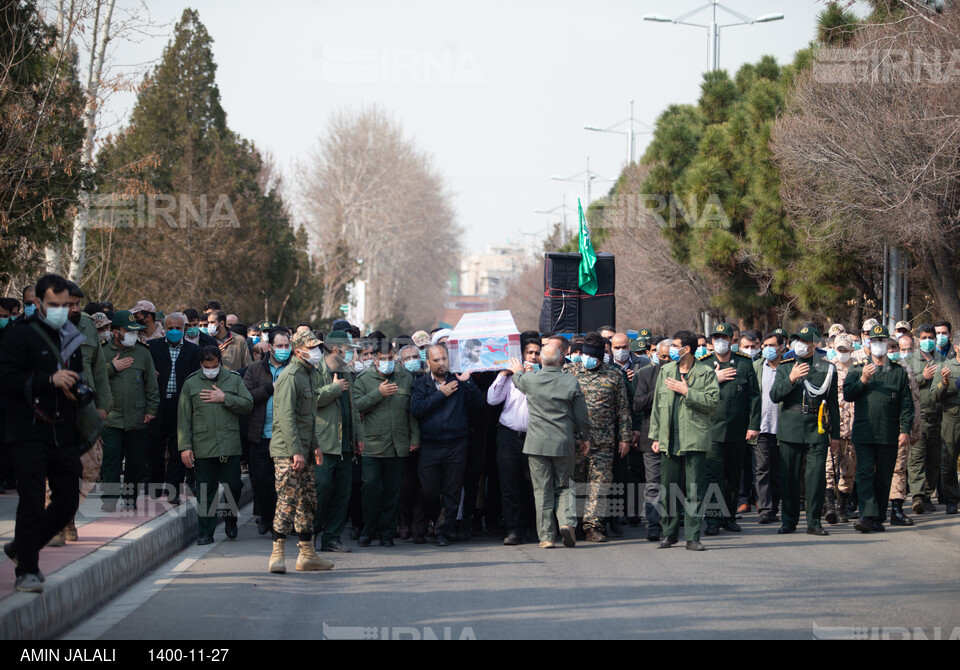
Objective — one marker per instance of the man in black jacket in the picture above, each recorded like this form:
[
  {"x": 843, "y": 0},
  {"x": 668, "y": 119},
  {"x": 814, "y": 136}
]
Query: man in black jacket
[
  {"x": 439, "y": 401},
  {"x": 175, "y": 359},
  {"x": 643, "y": 403},
  {"x": 40, "y": 365}
]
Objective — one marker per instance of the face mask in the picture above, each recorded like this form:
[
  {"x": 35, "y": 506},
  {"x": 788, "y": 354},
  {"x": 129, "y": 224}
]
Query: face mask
[
  {"x": 348, "y": 356},
  {"x": 193, "y": 332},
  {"x": 894, "y": 356},
  {"x": 56, "y": 317},
  {"x": 129, "y": 339},
  {"x": 255, "y": 340},
  {"x": 367, "y": 363},
  {"x": 4, "y": 322},
  {"x": 413, "y": 365},
  {"x": 770, "y": 353},
  {"x": 721, "y": 347},
  {"x": 831, "y": 354},
  {"x": 535, "y": 366},
  {"x": 857, "y": 346},
  {"x": 701, "y": 352},
  {"x": 314, "y": 357},
  {"x": 576, "y": 358},
  {"x": 358, "y": 367},
  {"x": 30, "y": 310},
  {"x": 211, "y": 373},
  {"x": 844, "y": 356},
  {"x": 212, "y": 330},
  {"x": 174, "y": 336},
  {"x": 927, "y": 346},
  {"x": 386, "y": 367},
  {"x": 423, "y": 355},
  {"x": 606, "y": 359},
  {"x": 750, "y": 351},
  {"x": 621, "y": 356},
  {"x": 105, "y": 337},
  {"x": 904, "y": 355},
  {"x": 942, "y": 340},
  {"x": 674, "y": 354},
  {"x": 735, "y": 348},
  {"x": 878, "y": 349},
  {"x": 802, "y": 348},
  {"x": 655, "y": 360},
  {"x": 590, "y": 363},
  {"x": 282, "y": 355},
  {"x": 866, "y": 342}
]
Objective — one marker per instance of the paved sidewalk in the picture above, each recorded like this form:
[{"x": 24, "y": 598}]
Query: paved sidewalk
[{"x": 114, "y": 550}]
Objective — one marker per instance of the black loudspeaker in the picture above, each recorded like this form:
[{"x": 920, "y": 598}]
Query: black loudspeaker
[{"x": 566, "y": 309}]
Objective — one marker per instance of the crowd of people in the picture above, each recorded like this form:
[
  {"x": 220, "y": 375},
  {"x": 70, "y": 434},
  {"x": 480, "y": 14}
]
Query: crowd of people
[{"x": 578, "y": 437}]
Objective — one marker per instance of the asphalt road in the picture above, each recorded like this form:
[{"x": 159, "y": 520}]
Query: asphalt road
[{"x": 903, "y": 582}]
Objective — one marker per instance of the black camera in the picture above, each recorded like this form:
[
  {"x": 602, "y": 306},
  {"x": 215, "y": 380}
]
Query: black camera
[{"x": 83, "y": 392}]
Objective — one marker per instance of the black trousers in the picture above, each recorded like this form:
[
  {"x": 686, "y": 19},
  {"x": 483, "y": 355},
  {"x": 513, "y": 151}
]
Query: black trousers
[
  {"x": 766, "y": 453},
  {"x": 442, "y": 468},
  {"x": 476, "y": 444},
  {"x": 37, "y": 464},
  {"x": 516, "y": 490},
  {"x": 412, "y": 513},
  {"x": 163, "y": 457},
  {"x": 262, "y": 479}
]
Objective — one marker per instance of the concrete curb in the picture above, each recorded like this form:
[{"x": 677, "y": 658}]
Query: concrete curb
[{"x": 81, "y": 587}]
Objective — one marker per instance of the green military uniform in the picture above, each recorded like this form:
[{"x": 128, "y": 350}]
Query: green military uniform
[
  {"x": 294, "y": 434},
  {"x": 923, "y": 464},
  {"x": 389, "y": 430},
  {"x": 338, "y": 431},
  {"x": 621, "y": 466},
  {"x": 883, "y": 409},
  {"x": 737, "y": 412},
  {"x": 211, "y": 430},
  {"x": 949, "y": 397},
  {"x": 681, "y": 424},
  {"x": 798, "y": 433},
  {"x": 558, "y": 414},
  {"x": 135, "y": 395},
  {"x": 606, "y": 394},
  {"x": 94, "y": 364}
]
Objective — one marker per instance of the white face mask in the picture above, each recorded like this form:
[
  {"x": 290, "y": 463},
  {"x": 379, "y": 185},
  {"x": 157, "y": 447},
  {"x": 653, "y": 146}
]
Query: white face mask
[
  {"x": 212, "y": 330},
  {"x": 314, "y": 356},
  {"x": 802, "y": 349},
  {"x": 721, "y": 347},
  {"x": 105, "y": 336},
  {"x": 129, "y": 339},
  {"x": 843, "y": 356},
  {"x": 749, "y": 351},
  {"x": 879, "y": 349},
  {"x": 621, "y": 355},
  {"x": 211, "y": 373}
]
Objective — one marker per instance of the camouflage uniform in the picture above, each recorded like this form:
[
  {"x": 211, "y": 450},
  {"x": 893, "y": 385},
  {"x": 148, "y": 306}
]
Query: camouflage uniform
[
  {"x": 898, "y": 485},
  {"x": 610, "y": 423},
  {"x": 296, "y": 497},
  {"x": 845, "y": 460}
]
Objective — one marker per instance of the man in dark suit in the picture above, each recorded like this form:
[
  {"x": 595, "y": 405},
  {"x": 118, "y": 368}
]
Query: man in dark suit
[
  {"x": 175, "y": 359},
  {"x": 643, "y": 403}
]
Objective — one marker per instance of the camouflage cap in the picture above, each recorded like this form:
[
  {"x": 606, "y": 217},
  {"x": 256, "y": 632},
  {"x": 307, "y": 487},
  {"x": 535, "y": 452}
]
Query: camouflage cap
[
  {"x": 904, "y": 325},
  {"x": 836, "y": 329},
  {"x": 844, "y": 341},
  {"x": 869, "y": 325},
  {"x": 421, "y": 338},
  {"x": 125, "y": 319},
  {"x": 100, "y": 320},
  {"x": 304, "y": 340},
  {"x": 144, "y": 306}
]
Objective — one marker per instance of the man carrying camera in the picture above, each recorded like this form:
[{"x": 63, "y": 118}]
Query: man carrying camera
[{"x": 40, "y": 368}]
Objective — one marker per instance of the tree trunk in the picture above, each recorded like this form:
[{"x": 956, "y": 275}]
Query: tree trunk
[{"x": 938, "y": 270}]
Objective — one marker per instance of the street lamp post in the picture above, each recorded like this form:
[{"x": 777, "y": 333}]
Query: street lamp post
[
  {"x": 630, "y": 133},
  {"x": 587, "y": 177},
  {"x": 563, "y": 217},
  {"x": 713, "y": 28}
]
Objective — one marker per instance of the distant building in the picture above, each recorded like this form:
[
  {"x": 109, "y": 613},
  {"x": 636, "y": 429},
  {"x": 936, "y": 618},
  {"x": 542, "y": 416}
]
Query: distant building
[{"x": 482, "y": 281}]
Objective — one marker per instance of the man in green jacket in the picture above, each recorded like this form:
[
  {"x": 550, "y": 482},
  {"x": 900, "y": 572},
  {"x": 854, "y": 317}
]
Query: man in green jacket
[
  {"x": 687, "y": 394},
  {"x": 804, "y": 385},
  {"x": 948, "y": 396},
  {"x": 923, "y": 466},
  {"x": 558, "y": 415},
  {"x": 339, "y": 435},
  {"x": 883, "y": 417},
  {"x": 382, "y": 397},
  {"x": 208, "y": 436},
  {"x": 133, "y": 385},
  {"x": 294, "y": 449}
]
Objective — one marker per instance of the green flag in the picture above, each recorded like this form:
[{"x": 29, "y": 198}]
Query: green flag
[{"x": 588, "y": 257}]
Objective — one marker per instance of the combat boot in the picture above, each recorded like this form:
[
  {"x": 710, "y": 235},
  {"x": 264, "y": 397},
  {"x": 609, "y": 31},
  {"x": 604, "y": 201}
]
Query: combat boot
[
  {"x": 830, "y": 507},
  {"x": 897, "y": 517},
  {"x": 308, "y": 559},
  {"x": 71, "y": 531},
  {"x": 277, "y": 563},
  {"x": 842, "y": 508}
]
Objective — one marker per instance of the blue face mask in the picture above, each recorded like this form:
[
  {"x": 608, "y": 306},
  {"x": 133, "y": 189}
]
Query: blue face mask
[
  {"x": 174, "y": 335},
  {"x": 4, "y": 322},
  {"x": 282, "y": 355},
  {"x": 413, "y": 365},
  {"x": 576, "y": 358},
  {"x": 701, "y": 352},
  {"x": 857, "y": 346},
  {"x": 56, "y": 317},
  {"x": 536, "y": 366},
  {"x": 942, "y": 340},
  {"x": 386, "y": 367},
  {"x": 894, "y": 355},
  {"x": 831, "y": 354},
  {"x": 423, "y": 355},
  {"x": 734, "y": 348},
  {"x": 255, "y": 340},
  {"x": 927, "y": 346},
  {"x": 903, "y": 356},
  {"x": 674, "y": 354},
  {"x": 770, "y": 353},
  {"x": 348, "y": 356},
  {"x": 193, "y": 332},
  {"x": 590, "y": 363},
  {"x": 655, "y": 360},
  {"x": 30, "y": 309}
]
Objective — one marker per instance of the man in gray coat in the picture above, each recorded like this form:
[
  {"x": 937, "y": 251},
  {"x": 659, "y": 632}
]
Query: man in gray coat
[{"x": 558, "y": 415}]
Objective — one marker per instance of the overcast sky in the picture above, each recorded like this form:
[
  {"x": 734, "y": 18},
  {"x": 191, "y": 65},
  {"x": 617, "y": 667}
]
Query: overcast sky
[{"x": 497, "y": 92}]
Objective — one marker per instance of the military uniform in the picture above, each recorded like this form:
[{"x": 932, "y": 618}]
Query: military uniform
[
  {"x": 949, "y": 397},
  {"x": 898, "y": 485},
  {"x": 799, "y": 437},
  {"x": 737, "y": 412},
  {"x": 135, "y": 394},
  {"x": 883, "y": 410},
  {"x": 841, "y": 468},
  {"x": 211, "y": 430},
  {"x": 681, "y": 424},
  {"x": 606, "y": 395},
  {"x": 923, "y": 464},
  {"x": 389, "y": 430}
]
